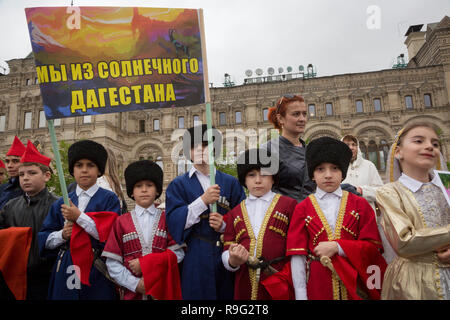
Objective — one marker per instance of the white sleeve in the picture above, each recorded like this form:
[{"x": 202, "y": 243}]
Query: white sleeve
[
  {"x": 195, "y": 209},
  {"x": 121, "y": 274},
  {"x": 225, "y": 257},
  {"x": 298, "y": 267},
  {"x": 178, "y": 250},
  {"x": 340, "y": 251},
  {"x": 88, "y": 225},
  {"x": 54, "y": 240}
]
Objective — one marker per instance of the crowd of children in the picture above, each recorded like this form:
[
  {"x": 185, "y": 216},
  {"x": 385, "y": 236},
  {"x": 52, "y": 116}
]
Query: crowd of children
[{"x": 220, "y": 242}]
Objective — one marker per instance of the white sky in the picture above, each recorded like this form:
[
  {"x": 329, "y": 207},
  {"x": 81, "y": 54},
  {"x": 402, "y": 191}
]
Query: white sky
[{"x": 248, "y": 34}]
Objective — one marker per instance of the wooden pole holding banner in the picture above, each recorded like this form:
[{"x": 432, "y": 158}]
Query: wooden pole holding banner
[
  {"x": 62, "y": 181},
  {"x": 212, "y": 176}
]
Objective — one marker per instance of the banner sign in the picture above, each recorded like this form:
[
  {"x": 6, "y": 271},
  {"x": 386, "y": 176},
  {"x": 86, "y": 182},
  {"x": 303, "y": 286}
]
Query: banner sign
[{"x": 98, "y": 60}]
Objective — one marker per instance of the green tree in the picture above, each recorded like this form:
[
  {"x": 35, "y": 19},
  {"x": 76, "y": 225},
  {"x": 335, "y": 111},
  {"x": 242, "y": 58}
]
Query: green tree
[{"x": 54, "y": 185}]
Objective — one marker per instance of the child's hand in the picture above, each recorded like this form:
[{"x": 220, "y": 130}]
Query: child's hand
[
  {"x": 70, "y": 213},
  {"x": 211, "y": 194},
  {"x": 326, "y": 248},
  {"x": 140, "y": 287},
  {"x": 67, "y": 230},
  {"x": 444, "y": 254},
  {"x": 135, "y": 267},
  {"x": 215, "y": 220},
  {"x": 238, "y": 255}
]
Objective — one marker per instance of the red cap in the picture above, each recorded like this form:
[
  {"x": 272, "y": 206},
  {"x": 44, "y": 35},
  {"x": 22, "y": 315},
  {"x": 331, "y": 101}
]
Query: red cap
[
  {"x": 2, "y": 165},
  {"x": 17, "y": 148},
  {"x": 32, "y": 155}
]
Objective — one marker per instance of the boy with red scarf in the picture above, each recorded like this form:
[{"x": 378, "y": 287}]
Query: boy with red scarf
[
  {"x": 141, "y": 255},
  {"x": 77, "y": 233}
]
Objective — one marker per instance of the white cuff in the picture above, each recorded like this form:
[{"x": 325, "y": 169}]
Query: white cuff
[
  {"x": 88, "y": 225},
  {"x": 195, "y": 209},
  {"x": 225, "y": 257},
  {"x": 54, "y": 240},
  {"x": 222, "y": 227},
  {"x": 340, "y": 251}
]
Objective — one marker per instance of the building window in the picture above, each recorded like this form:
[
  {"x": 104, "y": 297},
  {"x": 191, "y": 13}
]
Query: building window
[
  {"x": 377, "y": 154},
  {"x": 2, "y": 123},
  {"x": 141, "y": 126},
  {"x": 56, "y": 122},
  {"x": 312, "y": 110},
  {"x": 238, "y": 117},
  {"x": 222, "y": 118},
  {"x": 42, "y": 119},
  {"x": 180, "y": 122},
  {"x": 265, "y": 114},
  {"x": 409, "y": 102},
  {"x": 359, "y": 106},
  {"x": 28, "y": 116},
  {"x": 427, "y": 100},
  {"x": 155, "y": 124},
  {"x": 377, "y": 104},
  {"x": 28, "y": 82},
  {"x": 363, "y": 148},
  {"x": 384, "y": 151},
  {"x": 329, "y": 108},
  {"x": 373, "y": 153},
  {"x": 197, "y": 120},
  {"x": 87, "y": 119}
]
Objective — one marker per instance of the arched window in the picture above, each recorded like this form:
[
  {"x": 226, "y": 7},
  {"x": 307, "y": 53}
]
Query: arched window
[
  {"x": 363, "y": 148},
  {"x": 359, "y": 106},
  {"x": 141, "y": 126},
  {"x": 222, "y": 118},
  {"x": 155, "y": 124},
  {"x": 409, "y": 102},
  {"x": 384, "y": 151},
  {"x": 373, "y": 152},
  {"x": 265, "y": 114},
  {"x": 238, "y": 117},
  {"x": 427, "y": 100},
  {"x": 311, "y": 110},
  {"x": 329, "y": 108},
  {"x": 197, "y": 120},
  {"x": 377, "y": 104},
  {"x": 180, "y": 122},
  {"x": 377, "y": 154}
]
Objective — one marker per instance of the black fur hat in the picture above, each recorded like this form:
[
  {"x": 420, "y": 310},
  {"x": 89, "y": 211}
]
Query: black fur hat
[
  {"x": 326, "y": 149},
  {"x": 256, "y": 159},
  {"x": 143, "y": 170},
  {"x": 87, "y": 149},
  {"x": 197, "y": 134}
]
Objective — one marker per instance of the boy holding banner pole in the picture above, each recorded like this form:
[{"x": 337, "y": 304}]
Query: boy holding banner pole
[
  {"x": 192, "y": 220},
  {"x": 78, "y": 273}
]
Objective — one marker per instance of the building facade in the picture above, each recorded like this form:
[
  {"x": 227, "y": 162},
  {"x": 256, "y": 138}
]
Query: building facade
[{"x": 371, "y": 105}]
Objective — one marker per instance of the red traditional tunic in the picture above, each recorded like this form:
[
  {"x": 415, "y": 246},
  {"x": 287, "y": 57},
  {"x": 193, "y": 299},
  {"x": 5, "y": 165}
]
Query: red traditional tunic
[
  {"x": 270, "y": 244},
  {"x": 356, "y": 232},
  {"x": 126, "y": 242}
]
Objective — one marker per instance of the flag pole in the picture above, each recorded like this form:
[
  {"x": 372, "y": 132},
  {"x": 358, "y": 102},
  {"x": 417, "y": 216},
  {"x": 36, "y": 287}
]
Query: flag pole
[
  {"x": 62, "y": 181},
  {"x": 212, "y": 177}
]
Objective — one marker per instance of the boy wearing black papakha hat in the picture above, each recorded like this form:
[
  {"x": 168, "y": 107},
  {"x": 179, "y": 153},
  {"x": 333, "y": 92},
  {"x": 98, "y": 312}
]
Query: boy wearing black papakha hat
[
  {"x": 77, "y": 233},
  {"x": 333, "y": 233},
  {"x": 139, "y": 251},
  {"x": 190, "y": 220},
  {"x": 255, "y": 237}
]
